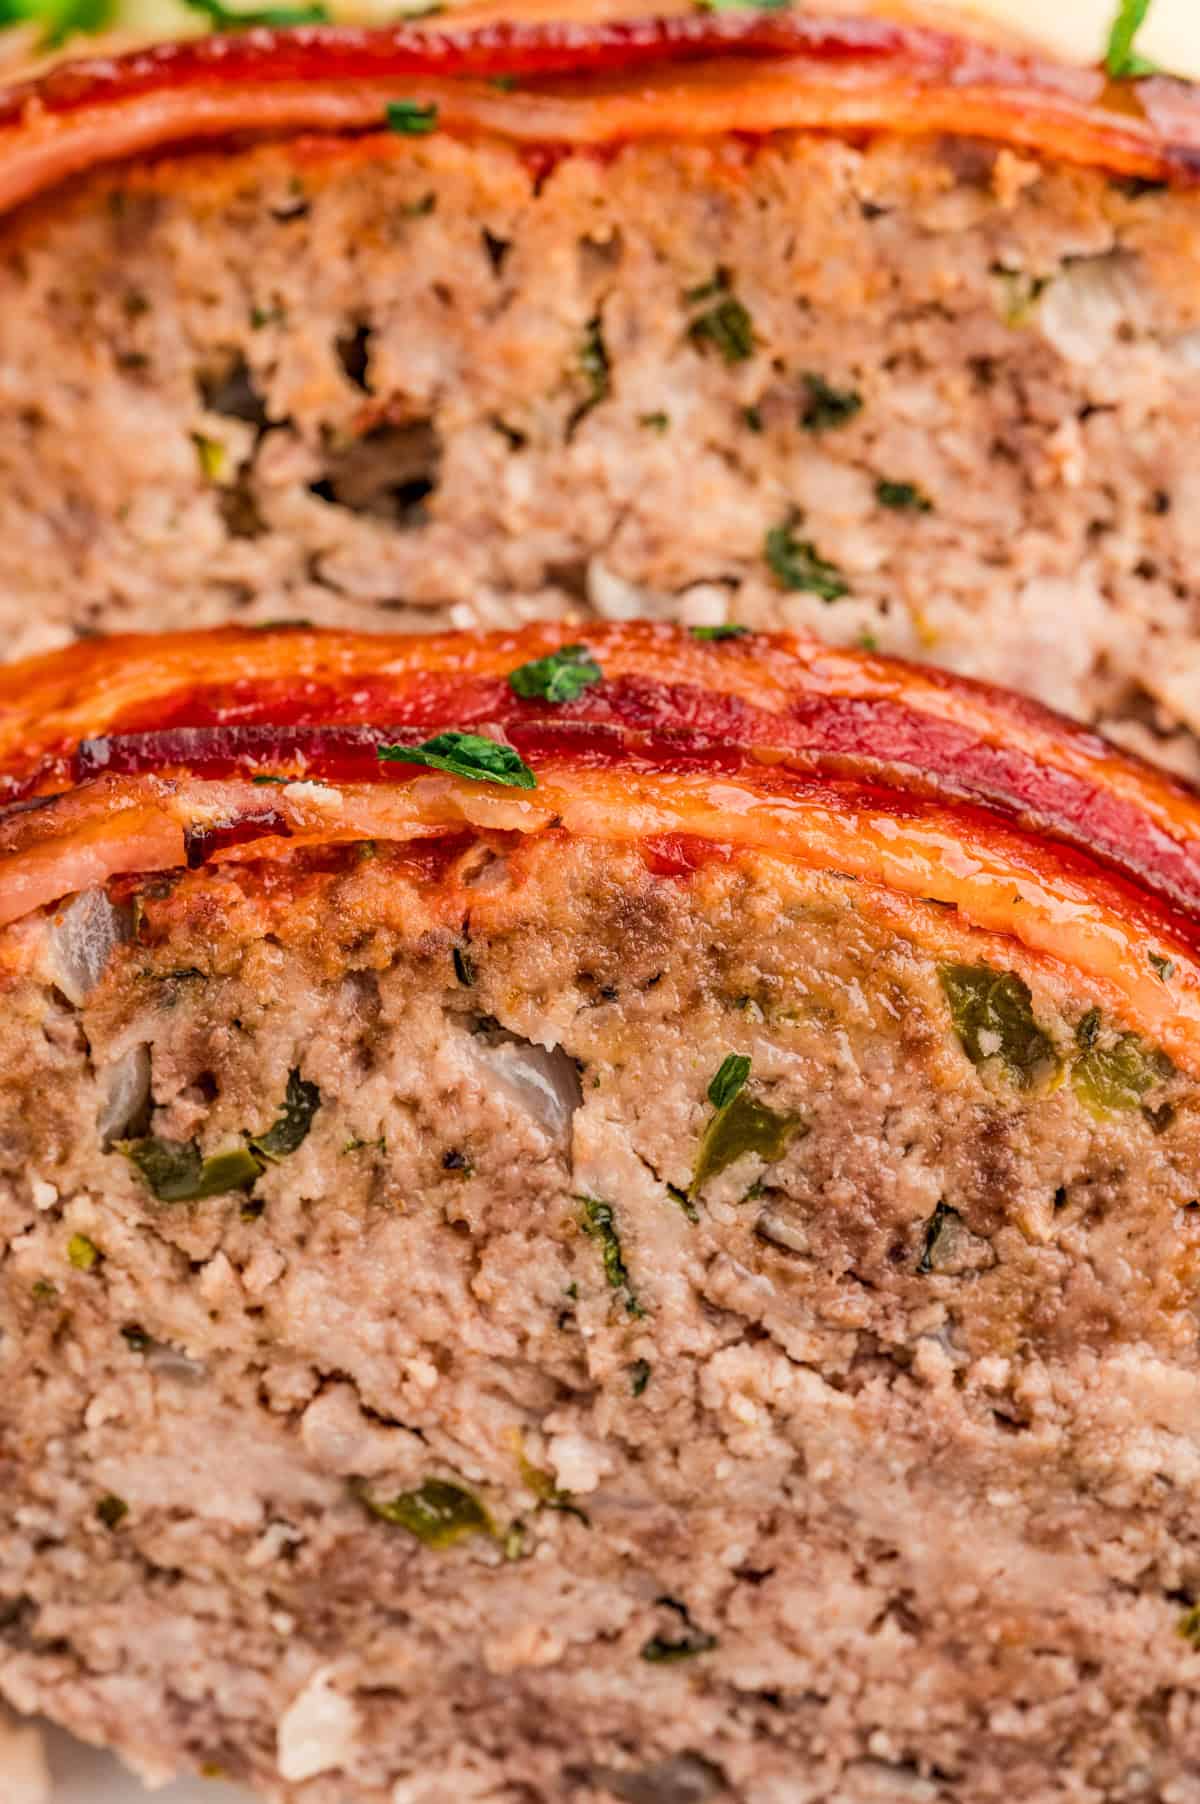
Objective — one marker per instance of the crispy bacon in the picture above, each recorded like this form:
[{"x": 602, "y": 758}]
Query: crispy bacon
[
  {"x": 321, "y": 704},
  {"x": 926, "y": 789},
  {"x": 591, "y": 81}
]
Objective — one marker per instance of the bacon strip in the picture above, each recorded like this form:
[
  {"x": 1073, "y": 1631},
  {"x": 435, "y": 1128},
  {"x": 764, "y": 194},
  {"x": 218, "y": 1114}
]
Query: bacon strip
[
  {"x": 592, "y": 82},
  {"x": 926, "y": 789},
  {"x": 306, "y": 704},
  {"x": 999, "y": 881}
]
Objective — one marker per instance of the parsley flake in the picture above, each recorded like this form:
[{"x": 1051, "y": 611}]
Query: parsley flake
[
  {"x": 1121, "y": 59},
  {"x": 599, "y": 1224},
  {"x": 465, "y": 755},
  {"x": 827, "y": 407},
  {"x": 300, "y": 1104},
  {"x": 593, "y": 364},
  {"x": 714, "y": 634},
  {"x": 904, "y": 497},
  {"x": 226, "y": 18},
  {"x": 731, "y": 1077},
  {"x": 799, "y": 567},
  {"x": 559, "y": 677},
  {"x": 726, "y": 326},
  {"x": 58, "y": 19},
  {"x": 410, "y": 118}
]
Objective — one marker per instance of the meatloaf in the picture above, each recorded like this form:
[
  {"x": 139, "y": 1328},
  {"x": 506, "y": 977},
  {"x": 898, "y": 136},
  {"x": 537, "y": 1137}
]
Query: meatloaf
[
  {"x": 790, "y": 320},
  {"x": 587, "y": 1222}
]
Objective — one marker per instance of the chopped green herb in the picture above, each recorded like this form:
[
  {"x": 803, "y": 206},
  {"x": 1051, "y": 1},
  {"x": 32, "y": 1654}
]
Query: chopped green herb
[
  {"x": 731, "y": 1077},
  {"x": 799, "y": 567},
  {"x": 355, "y": 1145},
  {"x": 867, "y": 642},
  {"x": 741, "y": 1124},
  {"x": 410, "y": 118},
  {"x": 752, "y": 418},
  {"x": 505, "y": 83},
  {"x": 439, "y": 1513},
  {"x": 599, "y": 1224},
  {"x": 1163, "y": 967},
  {"x": 904, "y": 497},
  {"x": 1189, "y": 1625},
  {"x": 420, "y": 209},
  {"x": 639, "y": 1376},
  {"x": 1107, "y": 1079},
  {"x": 210, "y": 455},
  {"x": 992, "y": 1012},
  {"x": 82, "y": 1252},
  {"x": 43, "y": 1291},
  {"x": 176, "y": 1171},
  {"x": 654, "y": 422},
  {"x": 112, "y": 1511},
  {"x": 717, "y": 633},
  {"x": 262, "y": 779},
  {"x": 559, "y": 677},
  {"x": 1121, "y": 59},
  {"x": 465, "y": 755},
  {"x": 226, "y": 18},
  {"x": 593, "y": 364},
  {"x": 661, "y": 1649},
  {"x": 266, "y": 316},
  {"x": 464, "y": 966},
  {"x": 58, "y": 19},
  {"x": 300, "y": 1104},
  {"x": 827, "y": 407},
  {"x": 725, "y": 326}
]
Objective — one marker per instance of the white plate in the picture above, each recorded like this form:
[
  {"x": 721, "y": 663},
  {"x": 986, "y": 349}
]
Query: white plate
[{"x": 82, "y": 1776}]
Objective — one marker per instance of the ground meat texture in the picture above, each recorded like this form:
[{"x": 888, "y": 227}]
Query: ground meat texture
[
  {"x": 929, "y": 395},
  {"x": 473, "y": 1449}
]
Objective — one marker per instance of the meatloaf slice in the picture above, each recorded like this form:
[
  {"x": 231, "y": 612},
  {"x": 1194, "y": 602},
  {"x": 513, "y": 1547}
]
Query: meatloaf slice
[
  {"x": 794, "y": 321},
  {"x": 572, "y": 1228}
]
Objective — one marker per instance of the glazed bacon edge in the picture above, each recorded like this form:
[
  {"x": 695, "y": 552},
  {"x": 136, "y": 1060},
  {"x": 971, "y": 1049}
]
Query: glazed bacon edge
[
  {"x": 860, "y": 742},
  {"x": 929, "y": 789},
  {"x": 316, "y": 705},
  {"x": 759, "y": 72}
]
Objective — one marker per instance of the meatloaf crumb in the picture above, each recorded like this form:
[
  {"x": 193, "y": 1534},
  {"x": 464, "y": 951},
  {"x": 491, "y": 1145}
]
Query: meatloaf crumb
[
  {"x": 924, "y": 394},
  {"x": 669, "y": 1340}
]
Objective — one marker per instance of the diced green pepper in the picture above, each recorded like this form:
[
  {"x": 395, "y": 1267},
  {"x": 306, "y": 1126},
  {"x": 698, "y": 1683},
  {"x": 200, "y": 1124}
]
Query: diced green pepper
[
  {"x": 741, "y": 1124},
  {"x": 992, "y": 1012},
  {"x": 1116, "y": 1076},
  {"x": 438, "y": 1513}
]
